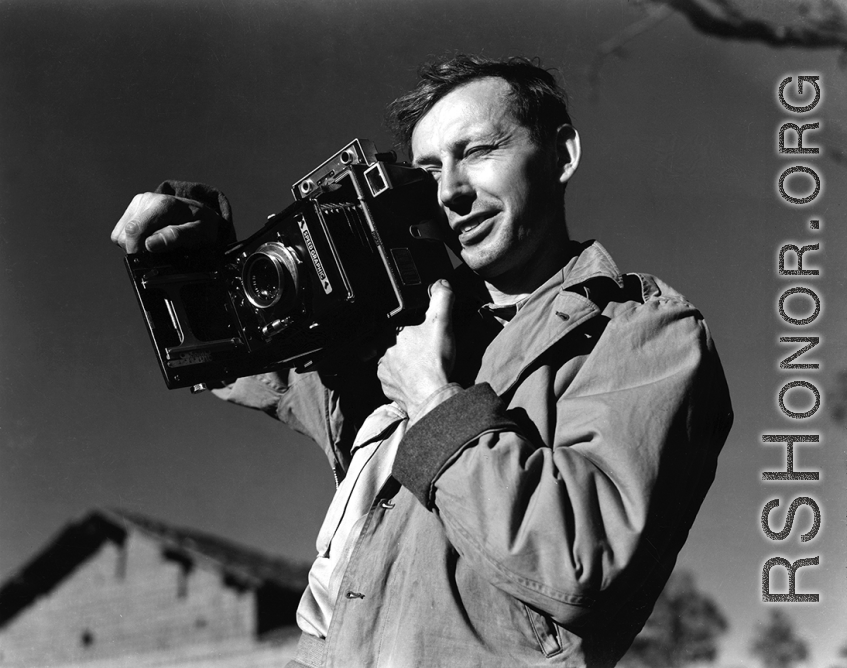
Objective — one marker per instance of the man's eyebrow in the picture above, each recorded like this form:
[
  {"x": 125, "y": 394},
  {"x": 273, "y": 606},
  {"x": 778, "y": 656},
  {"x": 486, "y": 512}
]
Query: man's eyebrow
[{"x": 426, "y": 161}]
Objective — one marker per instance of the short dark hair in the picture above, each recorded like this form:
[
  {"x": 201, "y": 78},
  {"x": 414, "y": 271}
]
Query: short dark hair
[{"x": 539, "y": 103}]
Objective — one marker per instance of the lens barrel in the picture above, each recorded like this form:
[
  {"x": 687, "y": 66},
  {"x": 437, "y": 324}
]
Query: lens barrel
[{"x": 270, "y": 276}]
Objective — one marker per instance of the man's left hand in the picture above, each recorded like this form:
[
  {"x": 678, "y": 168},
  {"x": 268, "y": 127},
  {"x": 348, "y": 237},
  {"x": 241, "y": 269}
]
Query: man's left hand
[{"x": 421, "y": 360}]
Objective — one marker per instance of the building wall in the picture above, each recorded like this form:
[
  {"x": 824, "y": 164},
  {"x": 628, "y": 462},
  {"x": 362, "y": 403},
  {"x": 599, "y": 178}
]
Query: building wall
[
  {"x": 128, "y": 600},
  {"x": 232, "y": 654}
]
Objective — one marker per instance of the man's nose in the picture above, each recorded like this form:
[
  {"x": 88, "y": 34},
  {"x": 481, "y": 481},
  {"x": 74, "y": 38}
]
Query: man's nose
[{"x": 455, "y": 190}]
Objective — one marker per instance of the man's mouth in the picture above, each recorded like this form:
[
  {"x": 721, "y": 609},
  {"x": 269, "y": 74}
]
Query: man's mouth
[{"x": 471, "y": 230}]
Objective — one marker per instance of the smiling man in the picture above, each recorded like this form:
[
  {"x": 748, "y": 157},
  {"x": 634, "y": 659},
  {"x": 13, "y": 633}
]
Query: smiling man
[
  {"x": 553, "y": 424},
  {"x": 500, "y": 188}
]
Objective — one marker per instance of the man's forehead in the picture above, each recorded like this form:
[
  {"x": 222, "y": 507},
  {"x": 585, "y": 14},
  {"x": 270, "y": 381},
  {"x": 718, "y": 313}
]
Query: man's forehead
[{"x": 474, "y": 106}]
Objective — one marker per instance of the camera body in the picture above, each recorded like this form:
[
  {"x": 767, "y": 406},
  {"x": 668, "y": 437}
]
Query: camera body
[{"x": 356, "y": 251}]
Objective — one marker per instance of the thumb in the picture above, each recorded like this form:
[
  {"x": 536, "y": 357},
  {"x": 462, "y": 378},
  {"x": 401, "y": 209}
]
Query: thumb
[{"x": 440, "y": 302}]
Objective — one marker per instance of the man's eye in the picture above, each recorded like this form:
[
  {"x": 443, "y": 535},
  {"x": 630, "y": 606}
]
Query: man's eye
[{"x": 478, "y": 150}]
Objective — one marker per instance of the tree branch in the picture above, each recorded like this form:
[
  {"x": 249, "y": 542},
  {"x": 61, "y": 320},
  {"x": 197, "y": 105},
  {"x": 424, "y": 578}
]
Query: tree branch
[
  {"x": 614, "y": 46},
  {"x": 721, "y": 18}
]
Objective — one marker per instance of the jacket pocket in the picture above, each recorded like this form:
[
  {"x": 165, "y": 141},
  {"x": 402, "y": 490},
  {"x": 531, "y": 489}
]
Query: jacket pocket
[{"x": 546, "y": 632}]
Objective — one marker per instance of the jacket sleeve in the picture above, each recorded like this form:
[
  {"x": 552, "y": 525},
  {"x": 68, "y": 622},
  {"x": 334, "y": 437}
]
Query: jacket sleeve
[
  {"x": 301, "y": 401},
  {"x": 328, "y": 409},
  {"x": 575, "y": 526},
  {"x": 207, "y": 196}
]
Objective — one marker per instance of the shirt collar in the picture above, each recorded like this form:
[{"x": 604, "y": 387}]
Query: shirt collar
[{"x": 503, "y": 314}]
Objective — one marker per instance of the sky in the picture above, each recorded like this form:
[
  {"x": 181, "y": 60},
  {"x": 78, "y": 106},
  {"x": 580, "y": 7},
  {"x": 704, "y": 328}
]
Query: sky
[{"x": 100, "y": 101}]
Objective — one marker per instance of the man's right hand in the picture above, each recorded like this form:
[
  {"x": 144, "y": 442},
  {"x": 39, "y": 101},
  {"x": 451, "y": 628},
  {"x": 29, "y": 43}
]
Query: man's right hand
[{"x": 163, "y": 223}]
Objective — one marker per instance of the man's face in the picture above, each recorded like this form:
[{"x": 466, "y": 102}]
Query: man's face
[{"x": 501, "y": 192}]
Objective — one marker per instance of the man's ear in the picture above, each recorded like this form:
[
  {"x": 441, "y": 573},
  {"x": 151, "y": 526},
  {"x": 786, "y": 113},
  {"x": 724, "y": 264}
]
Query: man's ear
[{"x": 568, "y": 151}]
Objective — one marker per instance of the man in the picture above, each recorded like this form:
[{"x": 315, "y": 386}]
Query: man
[{"x": 522, "y": 499}]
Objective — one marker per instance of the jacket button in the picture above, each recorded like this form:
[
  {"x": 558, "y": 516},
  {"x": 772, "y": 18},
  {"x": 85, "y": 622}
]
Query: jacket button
[{"x": 354, "y": 594}]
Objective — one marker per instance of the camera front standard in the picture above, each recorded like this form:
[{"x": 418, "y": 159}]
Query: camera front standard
[{"x": 352, "y": 256}]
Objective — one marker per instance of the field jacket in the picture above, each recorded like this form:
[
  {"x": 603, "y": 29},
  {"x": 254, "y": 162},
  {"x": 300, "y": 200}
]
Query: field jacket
[{"x": 533, "y": 518}]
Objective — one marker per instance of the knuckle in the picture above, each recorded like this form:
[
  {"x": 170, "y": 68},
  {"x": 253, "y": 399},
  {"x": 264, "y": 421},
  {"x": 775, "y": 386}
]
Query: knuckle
[
  {"x": 148, "y": 197},
  {"x": 152, "y": 203},
  {"x": 158, "y": 204}
]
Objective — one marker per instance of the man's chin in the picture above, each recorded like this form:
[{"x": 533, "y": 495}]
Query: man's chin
[{"x": 484, "y": 267}]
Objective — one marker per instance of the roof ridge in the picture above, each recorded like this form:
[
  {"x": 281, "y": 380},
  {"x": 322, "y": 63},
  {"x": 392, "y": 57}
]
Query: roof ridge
[{"x": 81, "y": 538}]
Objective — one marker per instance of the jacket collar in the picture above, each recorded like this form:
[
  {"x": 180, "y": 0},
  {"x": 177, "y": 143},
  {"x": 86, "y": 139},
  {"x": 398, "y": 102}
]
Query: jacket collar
[
  {"x": 550, "y": 312},
  {"x": 590, "y": 261}
]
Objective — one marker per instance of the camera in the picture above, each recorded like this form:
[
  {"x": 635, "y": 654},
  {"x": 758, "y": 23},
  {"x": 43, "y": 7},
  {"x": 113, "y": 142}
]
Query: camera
[{"x": 353, "y": 255}]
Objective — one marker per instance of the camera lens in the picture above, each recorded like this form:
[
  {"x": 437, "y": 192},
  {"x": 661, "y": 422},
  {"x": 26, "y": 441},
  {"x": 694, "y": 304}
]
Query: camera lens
[
  {"x": 266, "y": 283},
  {"x": 270, "y": 275}
]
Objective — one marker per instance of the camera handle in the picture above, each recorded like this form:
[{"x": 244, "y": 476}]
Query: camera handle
[
  {"x": 433, "y": 230},
  {"x": 428, "y": 229}
]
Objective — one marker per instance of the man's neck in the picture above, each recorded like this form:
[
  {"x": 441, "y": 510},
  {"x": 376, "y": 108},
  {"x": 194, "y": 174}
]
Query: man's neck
[{"x": 507, "y": 290}]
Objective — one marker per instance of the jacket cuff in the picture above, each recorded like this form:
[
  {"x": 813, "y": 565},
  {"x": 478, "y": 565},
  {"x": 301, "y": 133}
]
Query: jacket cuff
[
  {"x": 433, "y": 441},
  {"x": 441, "y": 395}
]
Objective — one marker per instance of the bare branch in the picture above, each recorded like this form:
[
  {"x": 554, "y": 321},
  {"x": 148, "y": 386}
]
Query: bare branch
[
  {"x": 614, "y": 46},
  {"x": 721, "y": 18},
  {"x": 824, "y": 28}
]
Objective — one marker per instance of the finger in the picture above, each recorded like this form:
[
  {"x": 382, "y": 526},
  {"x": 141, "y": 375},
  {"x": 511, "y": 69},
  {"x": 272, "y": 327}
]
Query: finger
[
  {"x": 149, "y": 213},
  {"x": 187, "y": 235},
  {"x": 146, "y": 213},
  {"x": 135, "y": 206},
  {"x": 440, "y": 302}
]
